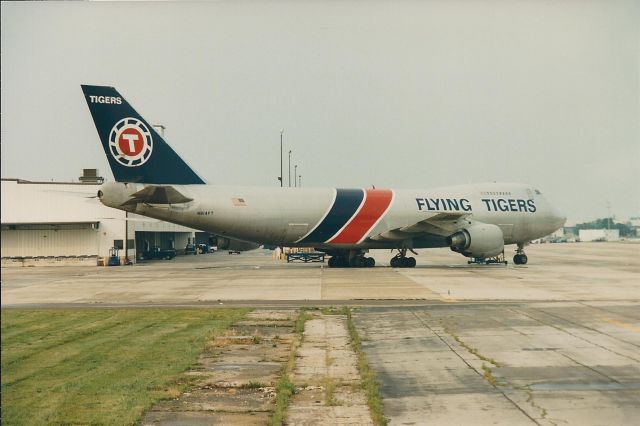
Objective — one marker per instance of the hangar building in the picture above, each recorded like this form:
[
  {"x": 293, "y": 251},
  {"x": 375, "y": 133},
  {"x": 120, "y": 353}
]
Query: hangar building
[{"x": 64, "y": 223}]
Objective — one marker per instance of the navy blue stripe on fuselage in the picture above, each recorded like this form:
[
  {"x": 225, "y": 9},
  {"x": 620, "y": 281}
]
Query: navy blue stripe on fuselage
[{"x": 346, "y": 204}]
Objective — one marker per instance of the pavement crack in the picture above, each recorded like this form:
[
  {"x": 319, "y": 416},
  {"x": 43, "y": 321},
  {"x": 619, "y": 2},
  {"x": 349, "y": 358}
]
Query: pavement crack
[
  {"x": 575, "y": 335},
  {"x": 588, "y": 368},
  {"x": 486, "y": 373}
]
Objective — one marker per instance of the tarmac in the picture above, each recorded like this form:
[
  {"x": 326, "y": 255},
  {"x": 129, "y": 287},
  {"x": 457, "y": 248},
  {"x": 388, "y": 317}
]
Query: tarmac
[{"x": 556, "y": 341}]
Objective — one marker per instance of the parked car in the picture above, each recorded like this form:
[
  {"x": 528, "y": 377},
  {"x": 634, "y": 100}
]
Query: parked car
[
  {"x": 158, "y": 253},
  {"x": 190, "y": 249}
]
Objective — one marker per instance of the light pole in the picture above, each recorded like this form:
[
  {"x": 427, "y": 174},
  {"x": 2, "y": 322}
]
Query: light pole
[
  {"x": 300, "y": 181},
  {"x": 280, "y": 178},
  {"x": 289, "y": 168},
  {"x": 295, "y": 174},
  {"x": 609, "y": 215}
]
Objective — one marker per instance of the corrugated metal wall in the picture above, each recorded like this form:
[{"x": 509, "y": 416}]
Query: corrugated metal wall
[
  {"x": 55, "y": 219},
  {"x": 49, "y": 242}
]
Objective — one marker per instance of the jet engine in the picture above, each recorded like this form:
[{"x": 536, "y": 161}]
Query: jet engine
[
  {"x": 481, "y": 240},
  {"x": 236, "y": 245}
]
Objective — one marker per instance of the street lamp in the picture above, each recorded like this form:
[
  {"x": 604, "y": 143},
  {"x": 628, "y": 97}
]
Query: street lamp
[
  {"x": 300, "y": 180},
  {"x": 280, "y": 178},
  {"x": 295, "y": 174},
  {"x": 289, "y": 168}
]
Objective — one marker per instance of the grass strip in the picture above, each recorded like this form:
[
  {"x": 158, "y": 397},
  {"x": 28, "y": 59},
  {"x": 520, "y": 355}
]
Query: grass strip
[
  {"x": 99, "y": 366},
  {"x": 284, "y": 388},
  {"x": 369, "y": 383}
]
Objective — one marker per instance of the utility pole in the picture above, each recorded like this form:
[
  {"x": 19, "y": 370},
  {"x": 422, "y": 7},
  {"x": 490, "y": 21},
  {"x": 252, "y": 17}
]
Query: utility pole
[
  {"x": 609, "y": 215},
  {"x": 280, "y": 178},
  {"x": 295, "y": 175},
  {"x": 126, "y": 237},
  {"x": 289, "y": 168},
  {"x": 300, "y": 180}
]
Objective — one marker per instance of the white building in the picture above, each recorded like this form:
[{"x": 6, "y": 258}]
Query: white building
[
  {"x": 64, "y": 223},
  {"x": 587, "y": 235}
]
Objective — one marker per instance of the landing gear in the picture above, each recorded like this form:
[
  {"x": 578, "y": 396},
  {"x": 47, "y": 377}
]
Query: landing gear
[
  {"x": 401, "y": 260},
  {"x": 338, "y": 262},
  {"x": 520, "y": 258},
  {"x": 362, "y": 262},
  {"x": 351, "y": 259}
]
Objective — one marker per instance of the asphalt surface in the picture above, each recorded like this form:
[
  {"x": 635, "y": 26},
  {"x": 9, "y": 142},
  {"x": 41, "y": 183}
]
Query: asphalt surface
[{"x": 556, "y": 341}]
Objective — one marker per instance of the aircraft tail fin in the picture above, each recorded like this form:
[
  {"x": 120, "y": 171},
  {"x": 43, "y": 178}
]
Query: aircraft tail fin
[{"x": 136, "y": 152}]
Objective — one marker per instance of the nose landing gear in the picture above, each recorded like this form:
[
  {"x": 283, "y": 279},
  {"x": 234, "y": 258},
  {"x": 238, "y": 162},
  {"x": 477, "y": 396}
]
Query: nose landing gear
[{"x": 520, "y": 258}]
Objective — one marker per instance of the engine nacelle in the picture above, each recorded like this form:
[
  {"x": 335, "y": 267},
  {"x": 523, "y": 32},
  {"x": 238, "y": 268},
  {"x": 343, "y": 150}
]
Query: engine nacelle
[
  {"x": 481, "y": 240},
  {"x": 231, "y": 244}
]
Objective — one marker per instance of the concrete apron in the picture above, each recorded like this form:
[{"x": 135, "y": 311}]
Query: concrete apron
[{"x": 326, "y": 377}]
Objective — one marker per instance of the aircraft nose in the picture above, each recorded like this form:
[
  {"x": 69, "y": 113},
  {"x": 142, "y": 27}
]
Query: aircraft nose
[{"x": 559, "y": 218}]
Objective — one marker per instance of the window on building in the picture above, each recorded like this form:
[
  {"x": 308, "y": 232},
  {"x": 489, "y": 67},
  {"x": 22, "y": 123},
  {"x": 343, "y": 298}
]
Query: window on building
[{"x": 118, "y": 244}]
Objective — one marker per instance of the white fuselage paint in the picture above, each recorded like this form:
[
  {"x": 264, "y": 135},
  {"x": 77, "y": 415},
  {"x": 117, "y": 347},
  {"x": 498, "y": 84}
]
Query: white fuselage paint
[{"x": 282, "y": 216}]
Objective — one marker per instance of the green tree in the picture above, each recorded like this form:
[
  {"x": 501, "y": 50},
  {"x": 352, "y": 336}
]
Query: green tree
[{"x": 603, "y": 223}]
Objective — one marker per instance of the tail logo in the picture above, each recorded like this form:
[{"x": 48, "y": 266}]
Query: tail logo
[{"x": 130, "y": 142}]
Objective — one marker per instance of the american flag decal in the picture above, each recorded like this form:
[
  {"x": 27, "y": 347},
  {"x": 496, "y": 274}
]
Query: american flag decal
[{"x": 239, "y": 202}]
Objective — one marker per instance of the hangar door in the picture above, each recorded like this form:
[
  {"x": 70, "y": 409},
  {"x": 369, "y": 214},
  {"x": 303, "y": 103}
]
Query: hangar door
[{"x": 77, "y": 239}]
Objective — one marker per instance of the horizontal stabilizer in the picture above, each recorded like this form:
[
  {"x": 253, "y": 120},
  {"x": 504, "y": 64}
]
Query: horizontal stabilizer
[{"x": 157, "y": 195}]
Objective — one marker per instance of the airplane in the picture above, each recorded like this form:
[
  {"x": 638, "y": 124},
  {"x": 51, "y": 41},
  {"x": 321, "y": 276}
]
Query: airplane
[{"x": 475, "y": 220}]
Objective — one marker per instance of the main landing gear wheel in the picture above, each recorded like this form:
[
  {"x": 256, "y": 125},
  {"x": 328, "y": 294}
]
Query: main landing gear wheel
[
  {"x": 520, "y": 258},
  {"x": 338, "y": 262},
  {"x": 401, "y": 260},
  {"x": 362, "y": 262},
  {"x": 354, "y": 262}
]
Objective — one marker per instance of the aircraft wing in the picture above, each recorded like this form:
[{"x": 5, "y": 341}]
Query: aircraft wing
[
  {"x": 157, "y": 195},
  {"x": 442, "y": 224}
]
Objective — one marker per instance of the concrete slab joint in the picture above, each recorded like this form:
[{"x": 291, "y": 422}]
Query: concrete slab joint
[{"x": 326, "y": 377}]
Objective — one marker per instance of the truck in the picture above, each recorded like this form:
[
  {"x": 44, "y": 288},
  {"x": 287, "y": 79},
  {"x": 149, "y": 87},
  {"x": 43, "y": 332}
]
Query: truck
[{"x": 158, "y": 253}]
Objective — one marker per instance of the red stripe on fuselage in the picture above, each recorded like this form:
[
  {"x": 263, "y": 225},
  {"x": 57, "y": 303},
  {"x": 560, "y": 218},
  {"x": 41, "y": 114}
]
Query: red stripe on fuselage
[{"x": 377, "y": 202}]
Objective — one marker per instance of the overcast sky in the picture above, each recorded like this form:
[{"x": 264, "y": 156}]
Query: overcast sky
[{"x": 392, "y": 94}]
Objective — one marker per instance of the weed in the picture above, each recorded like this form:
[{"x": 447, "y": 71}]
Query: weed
[
  {"x": 252, "y": 385},
  {"x": 329, "y": 397},
  {"x": 298, "y": 328},
  {"x": 173, "y": 392},
  {"x": 284, "y": 388},
  {"x": 472, "y": 350},
  {"x": 489, "y": 376},
  {"x": 369, "y": 384},
  {"x": 331, "y": 310}
]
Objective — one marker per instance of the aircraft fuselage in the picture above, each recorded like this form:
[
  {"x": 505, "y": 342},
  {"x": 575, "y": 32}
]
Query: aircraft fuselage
[{"x": 328, "y": 217}]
